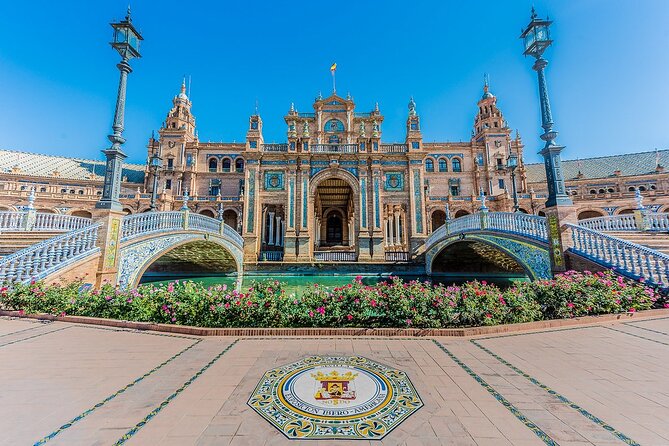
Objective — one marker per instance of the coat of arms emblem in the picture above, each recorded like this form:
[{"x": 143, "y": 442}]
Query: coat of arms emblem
[{"x": 334, "y": 386}]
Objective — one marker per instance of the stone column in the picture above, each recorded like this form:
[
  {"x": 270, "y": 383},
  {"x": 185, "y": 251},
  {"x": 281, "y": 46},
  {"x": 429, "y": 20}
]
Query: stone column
[
  {"x": 271, "y": 228},
  {"x": 397, "y": 227},
  {"x": 109, "y": 238}
]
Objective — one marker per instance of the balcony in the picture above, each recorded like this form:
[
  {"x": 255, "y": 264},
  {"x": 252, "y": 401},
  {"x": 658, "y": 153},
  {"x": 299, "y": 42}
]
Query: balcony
[
  {"x": 275, "y": 147},
  {"x": 334, "y": 148},
  {"x": 271, "y": 256},
  {"x": 397, "y": 256},
  {"x": 335, "y": 256},
  {"x": 394, "y": 148}
]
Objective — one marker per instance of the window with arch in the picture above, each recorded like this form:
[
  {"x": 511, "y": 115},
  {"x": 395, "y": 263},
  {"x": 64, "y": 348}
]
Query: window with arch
[
  {"x": 601, "y": 191},
  {"x": 593, "y": 192},
  {"x": 213, "y": 165},
  {"x": 42, "y": 189},
  {"x": 333, "y": 139},
  {"x": 642, "y": 188},
  {"x": 443, "y": 165},
  {"x": 630, "y": 189},
  {"x": 457, "y": 165},
  {"x": 226, "y": 164},
  {"x": 429, "y": 165},
  {"x": 239, "y": 165},
  {"x": 334, "y": 126}
]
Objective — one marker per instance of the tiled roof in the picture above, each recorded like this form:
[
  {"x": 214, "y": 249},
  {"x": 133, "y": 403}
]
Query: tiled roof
[
  {"x": 629, "y": 164},
  {"x": 68, "y": 168}
]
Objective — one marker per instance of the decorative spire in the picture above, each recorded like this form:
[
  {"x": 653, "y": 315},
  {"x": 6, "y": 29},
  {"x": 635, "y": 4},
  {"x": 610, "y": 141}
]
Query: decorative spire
[
  {"x": 376, "y": 107},
  {"x": 533, "y": 15},
  {"x": 639, "y": 199},
  {"x": 482, "y": 197},
  {"x": 412, "y": 107},
  {"x": 184, "y": 206},
  {"x": 31, "y": 199},
  {"x": 182, "y": 94},
  {"x": 256, "y": 109},
  {"x": 486, "y": 87},
  {"x": 348, "y": 96},
  {"x": 292, "y": 107},
  {"x": 127, "y": 15}
]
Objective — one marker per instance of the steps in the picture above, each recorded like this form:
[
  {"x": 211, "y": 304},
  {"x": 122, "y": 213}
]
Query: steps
[
  {"x": 659, "y": 241},
  {"x": 12, "y": 241}
]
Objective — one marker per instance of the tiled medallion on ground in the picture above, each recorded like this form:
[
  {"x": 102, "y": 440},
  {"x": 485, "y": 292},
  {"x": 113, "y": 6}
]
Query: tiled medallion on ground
[{"x": 323, "y": 397}]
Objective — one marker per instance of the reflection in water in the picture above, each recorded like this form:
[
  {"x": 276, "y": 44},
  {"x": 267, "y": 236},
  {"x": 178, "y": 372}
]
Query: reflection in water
[{"x": 295, "y": 284}]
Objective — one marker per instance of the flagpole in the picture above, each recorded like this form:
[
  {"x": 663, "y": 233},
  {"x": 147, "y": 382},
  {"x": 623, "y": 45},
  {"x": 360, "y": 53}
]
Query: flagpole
[{"x": 334, "y": 85}]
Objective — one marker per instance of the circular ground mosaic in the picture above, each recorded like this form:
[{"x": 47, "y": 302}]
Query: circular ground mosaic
[{"x": 335, "y": 397}]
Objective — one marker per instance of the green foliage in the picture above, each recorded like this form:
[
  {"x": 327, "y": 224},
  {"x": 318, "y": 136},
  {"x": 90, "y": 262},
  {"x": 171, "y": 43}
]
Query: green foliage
[{"x": 394, "y": 303}]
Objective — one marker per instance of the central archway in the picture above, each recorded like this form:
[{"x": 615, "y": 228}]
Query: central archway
[{"x": 334, "y": 210}]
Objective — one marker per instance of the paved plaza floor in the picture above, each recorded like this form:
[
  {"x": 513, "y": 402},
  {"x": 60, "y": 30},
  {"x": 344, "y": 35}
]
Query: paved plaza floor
[{"x": 70, "y": 384}]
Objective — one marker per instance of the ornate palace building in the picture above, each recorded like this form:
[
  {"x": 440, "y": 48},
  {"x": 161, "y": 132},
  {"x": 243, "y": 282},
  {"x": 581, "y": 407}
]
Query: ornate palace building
[{"x": 336, "y": 190}]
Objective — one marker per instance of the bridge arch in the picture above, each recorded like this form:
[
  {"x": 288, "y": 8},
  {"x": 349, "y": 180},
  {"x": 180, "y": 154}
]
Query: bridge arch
[{"x": 138, "y": 256}]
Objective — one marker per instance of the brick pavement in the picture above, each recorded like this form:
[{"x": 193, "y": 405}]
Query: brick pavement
[{"x": 68, "y": 384}]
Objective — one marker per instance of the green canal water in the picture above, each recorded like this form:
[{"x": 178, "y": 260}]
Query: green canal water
[{"x": 296, "y": 284}]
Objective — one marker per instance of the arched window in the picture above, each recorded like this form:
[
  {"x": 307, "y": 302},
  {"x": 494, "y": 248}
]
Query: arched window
[
  {"x": 226, "y": 164},
  {"x": 333, "y": 139},
  {"x": 457, "y": 166},
  {"x": 239, "y": 165},
  {"x": 642, "y": 188},
  {"x": 429, "y": 165},
  {"x": 213, "y": 165},
  {"x": 443, "y": 165},
  {"x": 602, "y": 191},
  {"x": 334, "y": 126},
  {"x": 593, "y": 192}
]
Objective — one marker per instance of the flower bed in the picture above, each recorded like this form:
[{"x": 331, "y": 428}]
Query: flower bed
[{"x": 394, "y": 303}]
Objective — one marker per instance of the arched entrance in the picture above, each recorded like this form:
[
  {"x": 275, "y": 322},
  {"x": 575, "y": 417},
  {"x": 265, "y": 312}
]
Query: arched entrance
[
  {"x": 589, "y": 214},
  {"x": 438, "y": 219},
  {"x": 334, "y": 212},
  {"x": 461, "y": 213},
  {"x": 207, "y": 212},
  {"x": 82, "y": 213},
  {"x": 230, "y": 218},
  {"x": 474, "y": 257}
]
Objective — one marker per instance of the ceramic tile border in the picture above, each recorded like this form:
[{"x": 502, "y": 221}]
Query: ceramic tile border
[
  {"x": 87, "y": 412},
  {"x": 19, "y": 331},
  {"x": 646, "y": 328},
  {"x": 357, "y": 332},
  {"x": 128, "y": 435},
  {"x": 624, "y": 438},
  {"x": 636, "y": 336},
  {"x": 34, "y": 336},
  {"x": 499, "y": 397}
]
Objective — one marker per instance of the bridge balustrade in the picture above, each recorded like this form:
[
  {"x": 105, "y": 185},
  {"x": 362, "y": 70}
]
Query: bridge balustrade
[
  {"x": 39, "y": 260},
  {"x": 628, "y": 222},
  {"x": 138, "y": 225},
  {"x": 335, "y": 256},
  {"x": 21, "y": 221},
  {"x": 625, "y": 257}
]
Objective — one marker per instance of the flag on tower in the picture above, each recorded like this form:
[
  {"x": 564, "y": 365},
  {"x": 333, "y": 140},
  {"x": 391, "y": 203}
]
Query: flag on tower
[{"x": 333, "y": 67}]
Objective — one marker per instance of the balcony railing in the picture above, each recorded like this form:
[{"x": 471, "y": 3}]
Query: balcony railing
[
  {"x": 275, "y": 147},
  {"x": 627, "y": 222},
  {"x": 397, "y": 256},
  {"x": 335, "y": 256},
  {"x": 271, "y": 256},
  {"x": 21, "y": 221},
  {"x": 394, "y": 148},
  {"x": 334, "y": 148}
]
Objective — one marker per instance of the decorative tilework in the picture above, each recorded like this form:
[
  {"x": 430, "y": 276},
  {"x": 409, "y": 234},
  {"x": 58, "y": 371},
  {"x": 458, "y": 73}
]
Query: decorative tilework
[
  {"x": 418, "y": 200},
  {"x": 274, "y": 163},
  {"x": 274, "y": 180},
  {"x": 315, "y": 170},
  {"x": 394, "y": 181},
  {"x": 394, "y": 163},
  {"x": 637, "y": 336},
  {"x": 305, "y": 186},
  {"x": 447, "y": 155},
  {"x": 252, "y": 200},
  {"x": 291, "y": 203},
  {"x": 128, "y": 435},
  {"x": 506, "y": 403},
  {"x": 363, "y": 201},
  {"x": 377, "y": 205},
  {"x": 335, "y": 397},
  {"x": 33, "y": 336},
  {"x": 561, "y": 398}
]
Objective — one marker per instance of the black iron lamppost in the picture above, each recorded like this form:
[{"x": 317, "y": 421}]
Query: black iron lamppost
[
  {"x": 155, "y": 163},
  {"x": 126, "y": 42},
  {"x": 536, "y": 38},
  {"x": 512, "y": 164}
]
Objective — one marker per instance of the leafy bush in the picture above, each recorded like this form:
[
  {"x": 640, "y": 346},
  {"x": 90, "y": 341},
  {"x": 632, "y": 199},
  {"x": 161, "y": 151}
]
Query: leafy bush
[{"x": 394, "y": 303}]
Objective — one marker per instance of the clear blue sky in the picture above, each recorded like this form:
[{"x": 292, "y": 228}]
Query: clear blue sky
[{"x": 607, "y": 70}]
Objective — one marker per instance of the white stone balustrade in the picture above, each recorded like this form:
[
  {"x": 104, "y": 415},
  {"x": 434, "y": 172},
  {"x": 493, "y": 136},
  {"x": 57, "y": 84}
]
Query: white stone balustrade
[
  {"x": 138, "y": 225},
  {"x": 627, "y": 222},
  {"x": 39, "y": 260},
  {"x": 335, "y": 256},
  {"x": 22, "y": 221},
  {"x": 334, "y": 148},
  {"x": 394, "y": 148},
  {"x": 626, "y": 258}
]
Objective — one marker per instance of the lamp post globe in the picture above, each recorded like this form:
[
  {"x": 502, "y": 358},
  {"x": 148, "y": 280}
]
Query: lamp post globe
[
  {"x": 126, "y": 41},
  {"x": 155, "y": 163},
  {"x": 536, "y": 39}
]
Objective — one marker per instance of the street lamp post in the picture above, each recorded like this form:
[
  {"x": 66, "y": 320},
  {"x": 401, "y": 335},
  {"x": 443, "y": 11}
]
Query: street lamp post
[
  {"x": 511, "y": 164},
  {"x": 126, "y": 42},
  {"x": 155, "y": 163},
  {"x": 536, "y": 38}
]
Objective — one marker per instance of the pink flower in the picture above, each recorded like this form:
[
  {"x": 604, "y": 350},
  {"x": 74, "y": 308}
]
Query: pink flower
[
  {"x": 350, "y": 316},
  {"x": 22, "y": 312},
  {"x": 311, "y": 314},
  {"x": 408, "y": 321},
  {"x": 488, "y": 315},
  {"x": 174, "y": 319},
  {"x": 372, "y": 303},
  {"x": 632, "y": 310},
  {"x": 227, "y": 305},
  {"x": 666, "y": 305},
  {"x": 170, "y": 287},
  {"x": 321, "y": 310},
  {"x": 358, "y": 278},
  {"x": 570, "y": 305}
]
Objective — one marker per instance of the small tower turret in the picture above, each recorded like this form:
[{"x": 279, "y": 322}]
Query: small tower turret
[{"x": 414, "y": 136}]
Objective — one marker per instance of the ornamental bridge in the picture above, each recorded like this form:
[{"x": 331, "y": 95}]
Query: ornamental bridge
[{"x": 631, "y": 245}]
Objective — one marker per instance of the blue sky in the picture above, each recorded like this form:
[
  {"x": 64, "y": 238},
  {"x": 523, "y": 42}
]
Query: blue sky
[{"x": 607, "y": 69}]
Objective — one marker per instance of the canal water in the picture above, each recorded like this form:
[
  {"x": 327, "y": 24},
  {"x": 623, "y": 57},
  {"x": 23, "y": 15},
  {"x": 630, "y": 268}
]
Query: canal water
[{"x": 297, "y": 283}]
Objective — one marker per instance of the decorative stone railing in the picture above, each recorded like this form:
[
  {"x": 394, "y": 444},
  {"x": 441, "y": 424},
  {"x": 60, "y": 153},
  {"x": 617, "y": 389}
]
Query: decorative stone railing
[
  {"x": 394, "y": 148},
  {"x": 43, "y": 258},
  {"x": 397, "y": 256},
  {"x": 138, "y": 225},
  {"x": 626, "y": 258},
  {"x": 272, "y": 256},
  {"x": 334, "y": 148},
  {"x": 531, "y": 226},
  {"x": 38, "y": 221},
  {"x": 335, "y": 256},
  {"x": 628, "y": 222},
  {"x": 275, "y": 147}
]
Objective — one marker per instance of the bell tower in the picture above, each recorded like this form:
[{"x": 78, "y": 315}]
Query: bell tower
[{"x": 414, "y": 136}]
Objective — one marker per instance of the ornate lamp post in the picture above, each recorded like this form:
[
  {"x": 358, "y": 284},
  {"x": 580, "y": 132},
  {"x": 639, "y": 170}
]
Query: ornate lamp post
[
  {"x": 536, "y": 39},
  {"x": 126, "y": 42},
  {"x": 511, "y": 164},
  {"x": 155, "y": 163}
]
